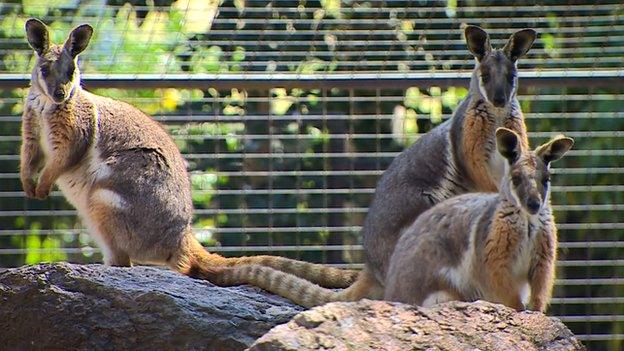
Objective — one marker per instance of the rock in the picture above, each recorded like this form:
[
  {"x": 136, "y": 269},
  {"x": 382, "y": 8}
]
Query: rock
[
  {"x": 92, "y": 307},
  {"x": 379, "y": 325}
]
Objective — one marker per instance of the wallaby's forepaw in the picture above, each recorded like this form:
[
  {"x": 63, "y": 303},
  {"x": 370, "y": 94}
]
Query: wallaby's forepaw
[
  {"x": 29, "y": 186},
  {"x": 42, "y": 191}
]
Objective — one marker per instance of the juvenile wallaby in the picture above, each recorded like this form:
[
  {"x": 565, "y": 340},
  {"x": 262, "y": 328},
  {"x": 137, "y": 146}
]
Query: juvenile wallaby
[
  {"x": 119, "y": 168},
  {"x": 454, "y": 158},
  {"x": 496, "y": 247}
]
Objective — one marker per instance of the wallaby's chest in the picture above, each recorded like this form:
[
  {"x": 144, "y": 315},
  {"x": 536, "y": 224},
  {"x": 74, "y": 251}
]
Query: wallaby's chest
[{"x": 527, "y": 230}]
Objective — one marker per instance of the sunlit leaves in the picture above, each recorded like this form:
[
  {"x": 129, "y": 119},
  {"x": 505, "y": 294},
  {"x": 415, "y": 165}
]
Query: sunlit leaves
[
  {"x": 281, "y": 101},
  {"x": 196, "y": 15},
  {"x": 38, "y": 8},
  {"x": 451, "y": 8},
  {"x": 207, "y": 60},
  {"x": 332, "y": 7},
  {"x": 404, "y": 124}
]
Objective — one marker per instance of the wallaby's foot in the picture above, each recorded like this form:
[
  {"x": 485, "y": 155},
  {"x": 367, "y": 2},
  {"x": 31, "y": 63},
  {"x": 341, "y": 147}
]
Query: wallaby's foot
[
  {"x": 29, "y": 186},
  {"x": 43, "y": 190},
  {"x": 117, "y": 259}
]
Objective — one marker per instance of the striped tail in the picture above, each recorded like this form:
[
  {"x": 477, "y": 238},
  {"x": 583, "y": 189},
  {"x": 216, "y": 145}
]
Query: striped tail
[
  {"x": 322, "y": 275},
  {"x": 193, "y": 260},
  {"x": 300, "y": 291}
]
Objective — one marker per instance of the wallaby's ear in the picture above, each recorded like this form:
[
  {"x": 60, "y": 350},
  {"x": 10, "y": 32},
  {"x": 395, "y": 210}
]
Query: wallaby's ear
[
  {"x": 78, "y": 39},
  {"x": 519, "y": 43},
  {"x": 478, "y": 41},
  {"x": 37, "y": 35},
  {"x": 554, "y": 149},
  {"x": 508, "y": 144}
]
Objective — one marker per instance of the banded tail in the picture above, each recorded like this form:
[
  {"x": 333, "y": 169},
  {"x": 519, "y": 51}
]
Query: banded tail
[
  {"x": 300, "y": 291},
  {"x": 195, "y": 261}
]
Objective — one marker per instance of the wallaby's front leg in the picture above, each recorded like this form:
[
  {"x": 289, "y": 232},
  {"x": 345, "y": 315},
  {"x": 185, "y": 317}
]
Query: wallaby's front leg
[
  {"x": 498, "y": 258},
  {"x": 542, "y": 272},
  {"x": 63, "y": 154},
  {"x": 30, "y": 154}
]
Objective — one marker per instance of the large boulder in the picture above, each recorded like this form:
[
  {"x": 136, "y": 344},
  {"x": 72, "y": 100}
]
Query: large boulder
[
  {"x": 92, "y": 307},
  {"x": 455, "y": 326}
]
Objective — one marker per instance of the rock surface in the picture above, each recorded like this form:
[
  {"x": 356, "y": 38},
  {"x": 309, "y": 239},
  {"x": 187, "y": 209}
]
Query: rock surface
[
  {"x": 455, "y": 326},
  {"x": 92, "y": 307}
]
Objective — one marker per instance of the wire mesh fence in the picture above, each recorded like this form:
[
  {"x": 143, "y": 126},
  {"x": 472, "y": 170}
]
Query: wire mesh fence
[{"x": 289, "y": 111}]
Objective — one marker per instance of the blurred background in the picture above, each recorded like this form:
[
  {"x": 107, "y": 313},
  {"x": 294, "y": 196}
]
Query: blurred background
[{"x": 289, "y": 111}]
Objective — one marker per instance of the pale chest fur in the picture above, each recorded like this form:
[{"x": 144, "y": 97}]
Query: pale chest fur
[
  {"x": 527, "y": 229},
  {"x": 77, "y": 181}
]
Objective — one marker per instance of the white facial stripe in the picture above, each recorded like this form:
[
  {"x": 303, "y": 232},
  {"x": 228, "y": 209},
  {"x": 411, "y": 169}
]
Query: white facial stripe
[{"x": 482, "y": 89}]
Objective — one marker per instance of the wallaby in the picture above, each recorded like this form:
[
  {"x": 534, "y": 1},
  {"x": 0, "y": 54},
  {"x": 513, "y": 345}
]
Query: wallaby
[
  {"x": 496, "y": 247},
  {"x": 500, "y": 247},
  {"x": 454, "y": 158},
  {"x": 119, "y": 168}
]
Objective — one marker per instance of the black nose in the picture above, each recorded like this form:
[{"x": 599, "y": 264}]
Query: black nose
[
  {"x": 533, "y": 205},
  {"x": 499, "y": 101},
  {"x": 59, "y": 95}
]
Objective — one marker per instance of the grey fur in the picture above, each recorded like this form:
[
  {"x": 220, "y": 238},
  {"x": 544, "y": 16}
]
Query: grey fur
[
  {"x": 412, "y": 184},
  {"x": 439, "y": 240}
]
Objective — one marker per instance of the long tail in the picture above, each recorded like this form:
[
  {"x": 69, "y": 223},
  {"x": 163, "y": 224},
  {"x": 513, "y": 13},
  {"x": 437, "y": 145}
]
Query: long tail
[
  {"x": 322, "y": 275},
  {"x": 194, "y": 260},
  {"x": 300, "y": 291}
]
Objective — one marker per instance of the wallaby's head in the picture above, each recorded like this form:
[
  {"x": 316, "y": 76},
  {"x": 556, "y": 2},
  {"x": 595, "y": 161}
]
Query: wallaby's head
[
  {"x": 496, "y": 71},
  {"x": 56, "y": 70},
  {"x": 528, "y": 177}
]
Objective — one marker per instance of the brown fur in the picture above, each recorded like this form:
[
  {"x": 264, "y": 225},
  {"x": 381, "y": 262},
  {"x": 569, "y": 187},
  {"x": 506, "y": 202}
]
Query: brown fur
[
  {"x": 454, "y": 158},
  {"x": 495, "y": 245},
  {"x": 120, "y": 169},
  {"x": 479, "y": 125}
]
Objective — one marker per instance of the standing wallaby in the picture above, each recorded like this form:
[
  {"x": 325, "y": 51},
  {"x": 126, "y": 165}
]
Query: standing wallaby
[
  {"x": 119, "y": 168},
  {"x": 457, "y": 157},
  {"x": 496, "y": 247}
]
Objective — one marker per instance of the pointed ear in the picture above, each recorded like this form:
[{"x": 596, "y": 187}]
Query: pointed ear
[
  {"x": 554, "y": 149},
  {"x": 519, "y": 44},
  {"x": 508, "y": 144},
  {"x": 78, "y": 40},
  {"x": 478, "y": 42},
  {"x": 38, "y": 36}
]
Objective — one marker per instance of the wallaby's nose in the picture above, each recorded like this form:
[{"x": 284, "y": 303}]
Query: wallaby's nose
[
  {"x": 59, "y": 94},
  {"x": 533, "y": 205},
  {"x": 499, "y": 100}
]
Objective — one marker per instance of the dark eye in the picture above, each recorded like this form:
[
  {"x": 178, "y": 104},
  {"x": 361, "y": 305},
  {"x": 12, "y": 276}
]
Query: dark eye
[
  {"x": 515, "y": 180},
  {"x": 485, "y": 77},
  {"x": 45, "y": 71},
  {"x": 70, "y": 74}
]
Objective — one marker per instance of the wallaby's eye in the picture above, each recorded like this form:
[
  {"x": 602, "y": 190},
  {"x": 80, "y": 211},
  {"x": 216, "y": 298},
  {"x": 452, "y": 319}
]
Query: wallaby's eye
[
  {"x": 515, "y": 179},
  {"x": 70, "y": 74},
  {"x": 485, "y": 77},
  {"x": 45, "y": 71}
]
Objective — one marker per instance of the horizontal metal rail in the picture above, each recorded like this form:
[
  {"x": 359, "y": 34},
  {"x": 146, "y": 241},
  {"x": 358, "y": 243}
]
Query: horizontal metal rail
[{"x": 598, "y": 78}]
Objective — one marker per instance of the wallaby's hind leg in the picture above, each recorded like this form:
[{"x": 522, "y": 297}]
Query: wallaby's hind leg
[
  {"x": 118, "y": 259},
  {"x": 102, "y": 225},
  {"x": 366, "y": 287}
]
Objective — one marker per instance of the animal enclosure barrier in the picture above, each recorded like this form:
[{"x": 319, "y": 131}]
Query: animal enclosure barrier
[{"x": 287, "y": 113}]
